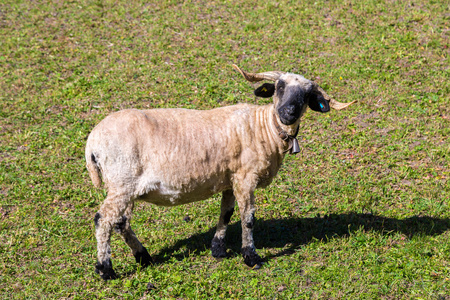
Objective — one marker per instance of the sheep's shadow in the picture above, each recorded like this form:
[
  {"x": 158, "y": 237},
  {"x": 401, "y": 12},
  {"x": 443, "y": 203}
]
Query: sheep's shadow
[{"x": 290, "y": 233}]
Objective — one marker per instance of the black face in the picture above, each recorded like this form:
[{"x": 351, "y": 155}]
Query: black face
[{"x": 292, "y": 100}]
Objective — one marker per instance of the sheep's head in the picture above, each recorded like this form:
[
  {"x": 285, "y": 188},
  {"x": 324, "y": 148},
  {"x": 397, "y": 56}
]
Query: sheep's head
[{"x": 292, "y": 93}]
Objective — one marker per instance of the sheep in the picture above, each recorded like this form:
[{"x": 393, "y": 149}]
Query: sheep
[{"x": 171, "y": 157}]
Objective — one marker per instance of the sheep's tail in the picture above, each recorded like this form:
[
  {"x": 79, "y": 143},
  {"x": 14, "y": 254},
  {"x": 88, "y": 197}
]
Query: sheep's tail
[{"x": 94, "y": 170}]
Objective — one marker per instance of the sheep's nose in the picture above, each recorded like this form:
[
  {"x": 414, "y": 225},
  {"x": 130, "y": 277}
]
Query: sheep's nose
[{"x": 289, "y": 110}]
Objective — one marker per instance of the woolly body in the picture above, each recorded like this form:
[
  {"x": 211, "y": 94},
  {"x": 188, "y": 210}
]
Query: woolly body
[{"x": 166, "y": 161}]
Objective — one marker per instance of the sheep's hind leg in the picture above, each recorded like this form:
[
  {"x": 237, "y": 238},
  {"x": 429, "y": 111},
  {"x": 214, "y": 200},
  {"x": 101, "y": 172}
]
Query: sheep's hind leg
[
  {"x": 218, "y": 247},
  {"x": 124, "y": 229},
  {"x": 105, "y": 219}
]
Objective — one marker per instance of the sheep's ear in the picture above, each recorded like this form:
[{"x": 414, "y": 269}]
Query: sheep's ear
[
  {"x": 266, "y": 90},
  {"x": 318, "y": 103}
]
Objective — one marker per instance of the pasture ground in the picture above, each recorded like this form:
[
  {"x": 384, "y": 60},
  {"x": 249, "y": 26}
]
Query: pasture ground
[{"x": 361, "y": 213}]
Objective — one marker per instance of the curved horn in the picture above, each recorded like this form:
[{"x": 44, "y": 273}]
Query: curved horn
[
  {"x": 254, "y": 77},
  {"x": 333, "y": 103}
]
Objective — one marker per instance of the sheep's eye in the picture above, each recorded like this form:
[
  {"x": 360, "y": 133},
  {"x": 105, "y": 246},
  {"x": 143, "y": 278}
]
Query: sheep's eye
[{"x": 280, "y": 87}]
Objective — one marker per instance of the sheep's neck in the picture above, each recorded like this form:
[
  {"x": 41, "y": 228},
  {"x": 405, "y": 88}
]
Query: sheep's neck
[
  {"x": 291, "y": 140},
  {"x": 271, "y": 135}
]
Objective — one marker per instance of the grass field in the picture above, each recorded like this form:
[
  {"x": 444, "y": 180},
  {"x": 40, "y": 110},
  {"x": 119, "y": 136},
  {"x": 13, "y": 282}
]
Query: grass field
[{"x": 361, "y": 213}]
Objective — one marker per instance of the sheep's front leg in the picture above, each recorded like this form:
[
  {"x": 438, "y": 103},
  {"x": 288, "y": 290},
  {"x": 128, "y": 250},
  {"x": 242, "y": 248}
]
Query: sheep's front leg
[
  {"x": 246, "y": 202},
  {"x": 124, "y": 229},
  {"x": 218, "y": 247}
]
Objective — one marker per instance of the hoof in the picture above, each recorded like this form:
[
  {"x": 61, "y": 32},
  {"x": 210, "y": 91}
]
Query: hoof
[
  {"x": 143, "y": 258},
  {"x": 105, "y": 270},
  {"x": 251, "y": 258},
  {"x": 218, "y": 248},
  {"x": 151, "y": 286}
]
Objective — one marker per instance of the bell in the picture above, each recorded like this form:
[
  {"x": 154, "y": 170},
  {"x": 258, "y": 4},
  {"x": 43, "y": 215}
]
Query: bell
[{"x": 295, "y": 147}]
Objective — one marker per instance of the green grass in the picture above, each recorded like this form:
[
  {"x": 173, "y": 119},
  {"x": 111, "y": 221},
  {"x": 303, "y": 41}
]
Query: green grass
[{"x": 361, "y": 213}]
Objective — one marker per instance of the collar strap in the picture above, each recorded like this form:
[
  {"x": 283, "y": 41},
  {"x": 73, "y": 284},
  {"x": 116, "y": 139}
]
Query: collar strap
[{"x": 290, "y": 139}]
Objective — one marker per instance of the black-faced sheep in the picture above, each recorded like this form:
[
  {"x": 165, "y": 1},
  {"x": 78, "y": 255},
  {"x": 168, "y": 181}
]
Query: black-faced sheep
[{"x": 176, "y": 156}]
